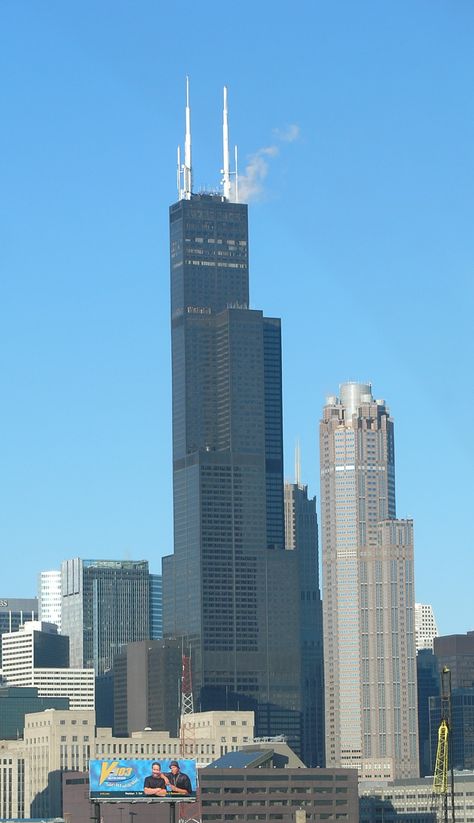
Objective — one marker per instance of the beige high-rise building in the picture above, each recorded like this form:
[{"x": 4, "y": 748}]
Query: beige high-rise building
[
  {"x": 368, "y": 593},
  {"x": 12, "y": 779},
  {"x": 55, "y": 741}
]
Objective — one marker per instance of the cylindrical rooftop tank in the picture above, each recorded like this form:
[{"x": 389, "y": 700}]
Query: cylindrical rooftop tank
[{"x": 354, "y": 395}]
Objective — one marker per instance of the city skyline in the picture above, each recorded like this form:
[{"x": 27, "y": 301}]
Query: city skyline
[{"x": 366, "y": 203}]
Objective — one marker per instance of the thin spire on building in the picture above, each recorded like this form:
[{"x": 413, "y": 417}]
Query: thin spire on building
[
  {"x": 185, "y": 170},
  {"x": 225, "y": 148}
]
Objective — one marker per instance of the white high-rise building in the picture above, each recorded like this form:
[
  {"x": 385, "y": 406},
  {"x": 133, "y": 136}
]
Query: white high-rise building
[
  {"x": 368, "y": 593},
  {"x": 425, "y": 626},
  {"x": 37, "y": 656},
  {"x": 49, "y": 597}
]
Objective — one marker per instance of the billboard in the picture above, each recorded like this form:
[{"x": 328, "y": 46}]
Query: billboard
[{"x": 143, "y": 780}]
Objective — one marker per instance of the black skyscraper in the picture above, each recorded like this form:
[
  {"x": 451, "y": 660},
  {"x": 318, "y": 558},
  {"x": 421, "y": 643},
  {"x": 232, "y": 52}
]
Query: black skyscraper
[
  {"x": 301, "y": 527},
  {"x": 229, "y": 587}
]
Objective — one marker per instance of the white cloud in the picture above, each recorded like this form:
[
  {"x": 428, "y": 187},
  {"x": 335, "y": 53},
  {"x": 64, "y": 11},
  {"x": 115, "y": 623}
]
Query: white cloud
[
  {"x": 289, "y": 134},
  {"x": 251, "y": 182}
]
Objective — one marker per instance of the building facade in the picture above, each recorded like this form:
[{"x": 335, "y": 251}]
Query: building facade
[
  {"x": 36, "y": 645},
  {"x": 412, "y": 801},
  {"x": 284, "y": 794},
  {"x": 425, "y": 626},
  {"x": 428, "y": 684},
  {"x": 49, "y": 597},
  {"x": 146, "y": 682},
  {"x": 209, "y": 735},
  {"x": 16, "y": 701},
  {"x": 105, "y": 605},
  {"x": 37, "y": 656},
  {"x": 12, "y": 779},
  {"x": 14, "y": 612},
  {"x": 456, "y": 652},
  {"x": 368, "y": 593},
  {"x": 224, "y": 584},
  {"x": 156, "y": 607},
  {"x": 54, "y": 741},
  {"x": 301, "y": 536}
]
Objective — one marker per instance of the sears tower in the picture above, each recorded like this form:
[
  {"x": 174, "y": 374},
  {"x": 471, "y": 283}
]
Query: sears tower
[{"x": 229, "y": 587}]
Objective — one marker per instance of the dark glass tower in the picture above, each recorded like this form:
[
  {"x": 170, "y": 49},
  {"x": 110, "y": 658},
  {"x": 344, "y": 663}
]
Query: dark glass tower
[
  {"x": 301, "y": 528},
  {"x": 227, "y": 586},
  {"x": 105, "y": 605}
]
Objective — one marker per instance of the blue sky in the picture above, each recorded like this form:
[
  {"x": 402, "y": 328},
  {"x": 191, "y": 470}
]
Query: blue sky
[{"x": 360, "y": 239}]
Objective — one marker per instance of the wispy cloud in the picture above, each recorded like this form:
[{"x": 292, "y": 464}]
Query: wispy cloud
[
  {"x": 251, "y": 182},
  {"x": 289, "y": 134}
]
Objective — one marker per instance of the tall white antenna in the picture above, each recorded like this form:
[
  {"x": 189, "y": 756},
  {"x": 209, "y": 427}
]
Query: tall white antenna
[
  {"x": 297, "y": 464},
  {"x": 184, "y": 171},
  {"x": 225, "y": 149},
  {"x": 187, "y": 174}
]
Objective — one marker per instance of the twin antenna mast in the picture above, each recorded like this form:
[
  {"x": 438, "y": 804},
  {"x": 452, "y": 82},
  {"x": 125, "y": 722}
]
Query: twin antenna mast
[{"x": 184, "y": 171}]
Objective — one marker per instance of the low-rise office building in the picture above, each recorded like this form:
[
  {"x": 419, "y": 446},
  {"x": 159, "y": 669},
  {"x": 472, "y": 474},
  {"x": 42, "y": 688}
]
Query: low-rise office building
[
  {"x": 249, "y": 785},
  {"x": 410, "y": 800}
]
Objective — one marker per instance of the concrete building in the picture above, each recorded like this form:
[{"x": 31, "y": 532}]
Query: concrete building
[
  {"x": 254, "y": 784},
  {"x": 407, "y": 801},
  {"x": 12, "y": 779},
  {"x": 206, "y": 735},
  {"x": 224, "y": 584},
  {"x": 209, "y": 735},
  {"x": 14, "y": 612},
  {"x": 105, "y": 605},
  {"x": 425, "y": 626},
  {"x": 49, "y": 597},
  {"x": 265, "y": 782},
  {"x": 368, "y": 593},
  {"x": 456, "y": 651},
  {"x": 301, "y": 536},
  {"x": 146, "y": 682},
  {"x": 37, "y": 656},
  {"x": 55, "y": 741}
]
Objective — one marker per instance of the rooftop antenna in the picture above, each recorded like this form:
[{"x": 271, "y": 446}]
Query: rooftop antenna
[
  {"x": 226, "y": 172},
  {"x": 225, "y": 148},
  {"x": 184, "y": 171},
  {"x": 297, "y": 464}
]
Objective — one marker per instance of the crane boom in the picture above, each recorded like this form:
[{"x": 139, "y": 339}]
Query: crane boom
[{"x": 440, "y": 779}]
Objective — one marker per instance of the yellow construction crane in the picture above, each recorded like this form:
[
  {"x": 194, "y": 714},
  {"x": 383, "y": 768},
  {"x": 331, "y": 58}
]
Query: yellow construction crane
[
  {"x": 440, "y": 780},
  {"x": 443, "y": 758}
]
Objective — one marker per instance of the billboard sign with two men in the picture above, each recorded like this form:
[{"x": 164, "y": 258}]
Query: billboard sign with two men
[{"x": 146, "y": 780}]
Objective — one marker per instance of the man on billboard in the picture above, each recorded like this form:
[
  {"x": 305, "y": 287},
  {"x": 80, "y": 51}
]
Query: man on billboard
[
  {"x": 178, "y": 781},
  {"x": 155, "y": 783}
]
